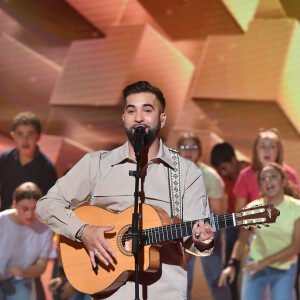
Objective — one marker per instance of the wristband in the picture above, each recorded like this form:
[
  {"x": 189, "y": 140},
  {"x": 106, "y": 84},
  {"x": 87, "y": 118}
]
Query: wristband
[
  {"x": 79, "y": 233},
  {"x": 233, "y": 262}
]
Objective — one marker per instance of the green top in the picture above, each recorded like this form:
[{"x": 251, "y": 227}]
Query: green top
[{"x": 270, "y": 240}]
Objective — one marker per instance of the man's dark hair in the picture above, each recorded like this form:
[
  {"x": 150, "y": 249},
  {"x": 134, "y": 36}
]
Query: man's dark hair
[
  {"x": 220, "y": 153},
  {"x": 143, "y": 87},
  {"x": 27, "y": 118}
]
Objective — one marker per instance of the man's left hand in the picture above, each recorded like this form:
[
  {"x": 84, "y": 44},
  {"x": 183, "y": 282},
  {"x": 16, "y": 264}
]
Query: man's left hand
[{"x": 202, "y": 232}]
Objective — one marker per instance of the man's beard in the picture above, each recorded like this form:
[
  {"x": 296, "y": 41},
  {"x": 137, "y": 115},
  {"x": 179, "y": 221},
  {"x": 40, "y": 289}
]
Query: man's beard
[{"x": 150, "y": 135}]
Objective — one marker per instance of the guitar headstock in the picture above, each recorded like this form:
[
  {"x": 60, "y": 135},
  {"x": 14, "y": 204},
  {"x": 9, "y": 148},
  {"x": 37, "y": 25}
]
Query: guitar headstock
[{"x": 258, "y": 214}]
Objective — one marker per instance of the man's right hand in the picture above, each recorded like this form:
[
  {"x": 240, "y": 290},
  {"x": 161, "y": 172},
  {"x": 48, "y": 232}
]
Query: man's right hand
[
  {"x": 227, "y": 273},
  {"x": 94, "y": 240}
]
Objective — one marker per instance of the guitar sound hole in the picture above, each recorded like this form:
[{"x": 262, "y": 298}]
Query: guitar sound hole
[{"x": 124, "y": 241}]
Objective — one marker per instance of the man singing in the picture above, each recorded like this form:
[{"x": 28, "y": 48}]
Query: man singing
[{"x": 102, "y": 179}]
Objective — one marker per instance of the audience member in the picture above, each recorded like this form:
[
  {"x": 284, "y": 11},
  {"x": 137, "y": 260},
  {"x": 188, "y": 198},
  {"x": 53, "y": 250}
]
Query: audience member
[
  {"x": 223, "y": 158},
  {"x": 25, "y": 162},
  {"x": 274, "y": 249},
  {"x": 25, "y": 245},
  {"x": 267, "y": 148},
  {"x": 189, "y": 147}
]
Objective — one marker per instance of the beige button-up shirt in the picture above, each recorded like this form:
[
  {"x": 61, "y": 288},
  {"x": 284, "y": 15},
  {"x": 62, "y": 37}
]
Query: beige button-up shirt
[{"x": 103, "y": 179}]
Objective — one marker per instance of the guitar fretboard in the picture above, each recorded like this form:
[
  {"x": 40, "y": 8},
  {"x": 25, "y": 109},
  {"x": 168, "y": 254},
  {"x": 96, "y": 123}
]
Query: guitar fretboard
[{"x": 176, "y": 231}]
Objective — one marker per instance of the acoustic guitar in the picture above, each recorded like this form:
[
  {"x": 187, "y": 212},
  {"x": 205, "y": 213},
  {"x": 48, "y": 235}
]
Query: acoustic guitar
[{"x": 156, "y": 227}]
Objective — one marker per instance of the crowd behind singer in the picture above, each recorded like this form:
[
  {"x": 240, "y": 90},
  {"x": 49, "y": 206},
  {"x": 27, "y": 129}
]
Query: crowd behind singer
[{"x": 229, "y": 183}]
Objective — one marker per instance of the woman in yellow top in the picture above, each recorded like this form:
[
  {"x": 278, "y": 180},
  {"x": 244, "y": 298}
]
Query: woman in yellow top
[{"x": 273, "y": 249}]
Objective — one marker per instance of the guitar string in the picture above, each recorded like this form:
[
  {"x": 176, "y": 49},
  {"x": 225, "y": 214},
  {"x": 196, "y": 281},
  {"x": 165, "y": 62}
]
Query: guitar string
[
  {"x": 173, "y": 230},
  {"x": 115, "y": 242},
  {"x": 168, "y": 230},
  {"x": 178, "y": 227}
]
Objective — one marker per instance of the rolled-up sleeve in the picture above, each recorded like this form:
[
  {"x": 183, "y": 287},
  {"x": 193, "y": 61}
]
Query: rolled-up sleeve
[{"x": 56, "y": 208}]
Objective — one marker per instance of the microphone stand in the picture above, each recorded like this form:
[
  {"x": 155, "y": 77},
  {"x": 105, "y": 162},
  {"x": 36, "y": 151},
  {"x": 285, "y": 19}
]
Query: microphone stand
[{"x": 135, "y": 222}]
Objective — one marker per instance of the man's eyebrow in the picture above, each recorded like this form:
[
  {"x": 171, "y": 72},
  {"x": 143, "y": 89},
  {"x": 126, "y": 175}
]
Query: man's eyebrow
[
  {"x": 144, "y": 105},
  {"x": 129, "y": 106},
  {"x": 148, "y": 105}
]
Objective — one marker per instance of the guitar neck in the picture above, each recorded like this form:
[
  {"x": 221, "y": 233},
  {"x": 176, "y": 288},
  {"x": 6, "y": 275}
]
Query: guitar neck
[{"x": 176, "y": 231}]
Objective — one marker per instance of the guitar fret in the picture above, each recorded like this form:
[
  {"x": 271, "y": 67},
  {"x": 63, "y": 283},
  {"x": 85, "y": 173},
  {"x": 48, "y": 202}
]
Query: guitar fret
[
  {"x": 162, "y": 236},
  {"x": 167, "y": 235},
  {"x": 177, "y": 227},
  {"x": 178, "y": 231},
  {"x": 157, "y": 235},
  {"x": 174, "y": 232},
  {"x": 151, "y": 236}
]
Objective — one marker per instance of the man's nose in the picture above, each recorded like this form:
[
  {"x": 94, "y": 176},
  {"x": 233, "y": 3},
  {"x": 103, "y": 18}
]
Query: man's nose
[{"x": 139, "y": 117}]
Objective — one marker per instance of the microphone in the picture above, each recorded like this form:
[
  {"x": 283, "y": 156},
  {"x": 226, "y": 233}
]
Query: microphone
[{"x": 139, "y": 138}]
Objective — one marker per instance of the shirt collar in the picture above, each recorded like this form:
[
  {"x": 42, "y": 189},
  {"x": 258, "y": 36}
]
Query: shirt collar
[
  {"x": 121, "y": 154},
  {"x": 164, "y": 155}
]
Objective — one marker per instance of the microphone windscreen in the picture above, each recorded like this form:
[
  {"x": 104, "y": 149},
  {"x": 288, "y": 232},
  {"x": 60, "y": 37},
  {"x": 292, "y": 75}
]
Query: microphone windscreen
[{"x": 139, "y": 136}]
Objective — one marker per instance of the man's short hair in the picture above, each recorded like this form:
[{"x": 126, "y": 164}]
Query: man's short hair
[
  {"x": 27, "y": 118},
  {"x": 143, "y": 87},
  {"x": 221, "y": 153}
]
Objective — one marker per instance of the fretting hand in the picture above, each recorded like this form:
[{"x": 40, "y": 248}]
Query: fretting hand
[{"x": 202, "y": 232}]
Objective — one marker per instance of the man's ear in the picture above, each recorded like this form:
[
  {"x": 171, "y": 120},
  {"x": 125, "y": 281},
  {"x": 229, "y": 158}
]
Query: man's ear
[
  {"x": 14, "y": 204},
  {"x": 123, "y": 118},
  {"x": 163, "y": 120}
]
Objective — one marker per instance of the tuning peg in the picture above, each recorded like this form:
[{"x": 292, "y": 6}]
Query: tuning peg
[
  {"x": 266, "y": 225},
  {"x": 257, "y": 226},
  {"x": 248, "y": 227}
]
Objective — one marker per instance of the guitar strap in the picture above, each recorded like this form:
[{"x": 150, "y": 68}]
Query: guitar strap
[{"x": 174, "y": 182}]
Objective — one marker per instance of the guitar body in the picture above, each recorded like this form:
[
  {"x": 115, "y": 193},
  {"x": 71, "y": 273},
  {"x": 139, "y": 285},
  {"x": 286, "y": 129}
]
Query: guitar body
[{"x": 76, "y": 261}]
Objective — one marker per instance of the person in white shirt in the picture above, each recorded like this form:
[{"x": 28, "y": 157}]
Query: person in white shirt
[{"x": 25, "y": 246}]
